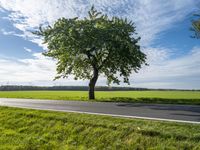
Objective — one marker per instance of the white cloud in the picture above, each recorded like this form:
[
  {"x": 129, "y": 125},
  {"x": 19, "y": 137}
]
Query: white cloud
[
  {"x": 155, "y": 55},
  {"x": 39, "y": 70},
  {"x": 4, "y": 32},
  {"x": 27, "y": 49},
  {"x": 181, "y": 72},
  {"x": 151, "y": 17},
  {"x": 26, "y": 70}
]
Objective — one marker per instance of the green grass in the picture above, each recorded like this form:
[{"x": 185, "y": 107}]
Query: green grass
[
  {"x": 34, "y": 129},
  {"x": 174, "y": 97}
]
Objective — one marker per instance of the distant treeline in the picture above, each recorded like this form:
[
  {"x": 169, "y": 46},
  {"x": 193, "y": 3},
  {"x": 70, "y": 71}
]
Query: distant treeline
[
  {"x": 65, "y": 88},
  {"x": 78, "y": 88}
]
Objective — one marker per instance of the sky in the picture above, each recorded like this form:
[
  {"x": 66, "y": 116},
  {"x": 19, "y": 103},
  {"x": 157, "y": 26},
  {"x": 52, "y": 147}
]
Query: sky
[{"x": 164, "y": 26}]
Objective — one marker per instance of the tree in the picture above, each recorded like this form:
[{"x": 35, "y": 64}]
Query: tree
[
  {"x": 92, "y": 46},
  {"x": 196, "y": 26}
]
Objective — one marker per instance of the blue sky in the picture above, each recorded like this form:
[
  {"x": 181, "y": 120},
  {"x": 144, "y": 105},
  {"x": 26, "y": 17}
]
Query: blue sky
[{"x": 163, "y": 26}]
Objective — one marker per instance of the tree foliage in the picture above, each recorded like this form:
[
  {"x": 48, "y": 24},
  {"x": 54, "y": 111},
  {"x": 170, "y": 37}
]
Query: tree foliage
[
  {"x": 196, "y": 26},
  {"x": 92, "y": 46}
]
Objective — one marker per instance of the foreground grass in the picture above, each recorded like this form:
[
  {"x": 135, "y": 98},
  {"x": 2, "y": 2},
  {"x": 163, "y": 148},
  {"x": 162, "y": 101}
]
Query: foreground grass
[
  {"x": 32, "y": 129},
  {"x": 173, "y": 97}
]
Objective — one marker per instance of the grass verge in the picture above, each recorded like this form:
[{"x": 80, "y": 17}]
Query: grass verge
[
  {"x": 166, "y": 97},
  {"x": 34, "y": 129}
]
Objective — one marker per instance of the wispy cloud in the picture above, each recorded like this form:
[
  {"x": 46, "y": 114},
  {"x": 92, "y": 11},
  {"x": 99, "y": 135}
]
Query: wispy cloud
[
  {"x": 4, "y": 32},
  {"x": 182, "y": 72},
  {"x": 26, "y": 70},
  {"x": 27, "y": 49},
  {"x": 151, "y": 17},
  {"x": 38, "y": 70}
]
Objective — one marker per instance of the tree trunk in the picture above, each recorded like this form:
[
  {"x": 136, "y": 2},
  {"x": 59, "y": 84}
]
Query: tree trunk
[{"x": 92, "y": 84}]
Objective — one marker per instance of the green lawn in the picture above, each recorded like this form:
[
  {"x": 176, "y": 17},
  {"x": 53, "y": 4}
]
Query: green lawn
[
  {"x": 34, "y": 129},
  {"x": 178, "y": 97}
]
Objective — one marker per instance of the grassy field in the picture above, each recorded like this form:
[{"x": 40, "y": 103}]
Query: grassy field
[
  {"x": 177, "y": 97},
  {"x": 34, "y": 129}
]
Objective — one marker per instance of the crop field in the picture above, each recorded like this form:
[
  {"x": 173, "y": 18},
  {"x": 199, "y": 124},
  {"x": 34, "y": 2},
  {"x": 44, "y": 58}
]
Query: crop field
[
  {"x": 102, "y": 94},
  {"x": 33, "y": 129},
  {"x": 177, "y": 97}
]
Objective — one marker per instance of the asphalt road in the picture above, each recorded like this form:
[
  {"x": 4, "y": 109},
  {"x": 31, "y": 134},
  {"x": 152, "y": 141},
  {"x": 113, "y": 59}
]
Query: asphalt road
[{"x": 165, "y": 112}]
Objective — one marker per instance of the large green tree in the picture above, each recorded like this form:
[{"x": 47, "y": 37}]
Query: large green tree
[{"x": 92, "y": 46}]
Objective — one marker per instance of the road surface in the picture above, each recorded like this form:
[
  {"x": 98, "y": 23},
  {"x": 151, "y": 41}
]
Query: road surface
[{"x": 165, "y": 112}]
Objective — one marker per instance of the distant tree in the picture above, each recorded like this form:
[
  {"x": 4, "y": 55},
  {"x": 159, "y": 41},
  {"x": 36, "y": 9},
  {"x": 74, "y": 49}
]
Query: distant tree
[
  {"x": 196, "y": 26},
  {"x": 92, "y": 46}
]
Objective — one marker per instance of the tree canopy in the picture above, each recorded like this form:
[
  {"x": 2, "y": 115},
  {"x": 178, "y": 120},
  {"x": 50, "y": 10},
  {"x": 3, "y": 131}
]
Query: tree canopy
[{"x": 95, "y": 45}]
